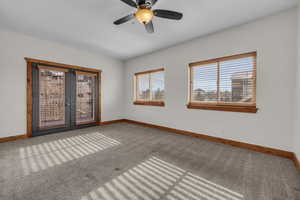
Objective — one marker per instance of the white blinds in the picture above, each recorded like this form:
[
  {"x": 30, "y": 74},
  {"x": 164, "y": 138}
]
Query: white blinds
[
  {"x": 150, "y": 86},
  {"x": 143, "y": 87},
  {"x": 237, "y": 80},
  {"x": 205, "y": 80},
  {"x": 157, "y": 86},
  {"x": 228, "y": 81}
]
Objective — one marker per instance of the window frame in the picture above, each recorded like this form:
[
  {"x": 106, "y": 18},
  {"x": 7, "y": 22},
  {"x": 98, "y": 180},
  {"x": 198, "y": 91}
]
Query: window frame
[
  {"x": 147, "y": 102},
  {"x": 223, "y": 106}
]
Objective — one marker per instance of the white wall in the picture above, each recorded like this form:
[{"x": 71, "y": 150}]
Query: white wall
[
  {"x": 274, "y": 39},
  {"x": 14, "y": 47},
  {"x": 296, "y": 139}
]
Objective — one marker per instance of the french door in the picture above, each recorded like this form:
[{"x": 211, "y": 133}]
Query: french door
[{"x": 63, "y": 99}]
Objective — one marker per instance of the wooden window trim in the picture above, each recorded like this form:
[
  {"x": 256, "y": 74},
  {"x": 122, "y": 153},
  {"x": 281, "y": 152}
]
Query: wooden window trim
[
  {"x": 223, "y": 106},
  {"x": 222, "y": 59},
  {"x": 149, "y": 103},
  {"x": 32, "y": 60},
  {"x": 150, "y": 71},
  {"x": 85, "y": 73},
  {"x": 146, "y": 102},
  {"x": 231, "y": 108}
]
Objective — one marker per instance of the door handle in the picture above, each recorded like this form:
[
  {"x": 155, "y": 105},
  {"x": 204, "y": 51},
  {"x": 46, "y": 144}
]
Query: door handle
[{"x": 67, "y": 104}]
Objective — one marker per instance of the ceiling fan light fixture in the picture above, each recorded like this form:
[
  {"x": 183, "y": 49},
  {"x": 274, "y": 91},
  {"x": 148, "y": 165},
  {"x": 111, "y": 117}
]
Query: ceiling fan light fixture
[
  {"x": 144, "y": 13},
  {"x": 144, "y": 16}
]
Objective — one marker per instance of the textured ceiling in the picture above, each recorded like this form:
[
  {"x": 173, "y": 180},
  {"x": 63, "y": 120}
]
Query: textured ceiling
[{"x": 88, "y": 24}]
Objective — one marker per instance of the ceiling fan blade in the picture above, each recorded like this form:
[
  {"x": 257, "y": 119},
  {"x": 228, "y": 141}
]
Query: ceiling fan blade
[
  {"x": 130, "y": 3},
  {"x": 154, "y": 2},
  {"x": 124, "y": 19},
  {"x": 149, "y": 27},
  {"x": 168, "y": 14}
]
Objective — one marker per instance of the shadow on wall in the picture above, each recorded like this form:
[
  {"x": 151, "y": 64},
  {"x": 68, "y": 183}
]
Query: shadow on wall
[
  {"x": 157, "y": 179},
  {"x": 45, "y": 155}
]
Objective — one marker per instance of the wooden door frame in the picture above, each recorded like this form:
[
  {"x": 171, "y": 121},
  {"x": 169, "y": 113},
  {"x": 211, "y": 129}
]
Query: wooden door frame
[{"x": 29, "y": 103}]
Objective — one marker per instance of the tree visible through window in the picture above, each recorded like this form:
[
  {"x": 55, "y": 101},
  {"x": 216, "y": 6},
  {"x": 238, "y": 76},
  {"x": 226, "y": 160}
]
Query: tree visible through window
[
  {"x": 150, "y": 88},
  {"x": 221, "y": 82}
]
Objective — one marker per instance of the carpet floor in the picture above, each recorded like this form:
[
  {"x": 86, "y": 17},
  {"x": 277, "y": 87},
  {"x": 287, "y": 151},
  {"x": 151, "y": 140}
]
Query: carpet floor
[{"x": 124, "y": 161}]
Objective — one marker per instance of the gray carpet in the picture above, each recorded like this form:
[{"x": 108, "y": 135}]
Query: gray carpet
[{"x": 125, "y": 161}]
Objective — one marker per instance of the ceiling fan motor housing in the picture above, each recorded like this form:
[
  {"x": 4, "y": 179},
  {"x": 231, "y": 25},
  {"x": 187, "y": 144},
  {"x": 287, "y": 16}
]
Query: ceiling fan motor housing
[{"x": 144, "y": 3}]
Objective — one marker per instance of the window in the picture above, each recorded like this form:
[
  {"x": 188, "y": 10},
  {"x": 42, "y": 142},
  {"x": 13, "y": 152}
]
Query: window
[
  {"x": 227, "y": 84},
  {"x": 150, "y": 88}
]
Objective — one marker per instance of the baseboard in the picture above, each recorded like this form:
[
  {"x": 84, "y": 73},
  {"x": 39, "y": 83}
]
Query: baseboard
[
  {"x": 112, "y": 122},
  {"x": 296, "y": 161},
  {"x": 12, "y": 138},
  {"x": 262, "y": 149}
]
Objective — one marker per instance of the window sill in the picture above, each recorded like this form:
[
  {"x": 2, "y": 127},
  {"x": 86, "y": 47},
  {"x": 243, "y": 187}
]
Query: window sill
[
  {"x": 229, "y": 108},
  {"x": 150, "y": 103}
]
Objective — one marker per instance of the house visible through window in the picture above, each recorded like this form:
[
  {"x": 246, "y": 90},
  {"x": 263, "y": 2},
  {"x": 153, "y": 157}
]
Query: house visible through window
[
  {"x": 227, "y": 84},
  {"x": 150, "y": 88}
]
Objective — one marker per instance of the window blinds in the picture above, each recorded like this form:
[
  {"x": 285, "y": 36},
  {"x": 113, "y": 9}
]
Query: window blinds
[
  {"x": 228, "y": 81},
  {"x": 150, "y": 86},
  {"x": 157, "y": 86},
  {"x": 143, "y": 87}
]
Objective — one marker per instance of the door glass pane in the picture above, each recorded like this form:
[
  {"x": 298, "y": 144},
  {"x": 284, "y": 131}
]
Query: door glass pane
[
  {"x": 51, "y": 98},
  {"x": 85, "y": 98}
]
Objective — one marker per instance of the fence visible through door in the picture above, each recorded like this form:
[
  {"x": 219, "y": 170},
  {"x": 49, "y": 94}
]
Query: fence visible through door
[{"x": 63, "y": 98}]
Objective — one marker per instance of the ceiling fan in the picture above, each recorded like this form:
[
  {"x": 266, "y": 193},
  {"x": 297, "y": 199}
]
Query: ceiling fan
[{"x": 145, "y": 14}]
